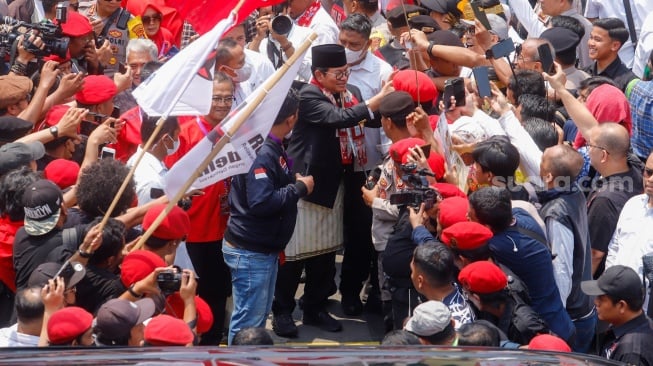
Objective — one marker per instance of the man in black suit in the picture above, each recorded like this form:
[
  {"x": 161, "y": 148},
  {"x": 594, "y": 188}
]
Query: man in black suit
[{"x": 325, "y": 142}]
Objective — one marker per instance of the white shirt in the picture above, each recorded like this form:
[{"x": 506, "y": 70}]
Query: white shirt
[
  {"x": 644, "y": 46},
  {"x": 530, "y": 155},
  {"x": 368, "y": 77},
  {"x": 633, "y": 236},
  {"x": 261, "y": 68},
  {"x": 148, "y": 174},
  {"x": 524, "y": 12},
  {"x": 326, "y": 29},
  {"x": 296, "y": 36},
  {"x": 615, "y": 9},
  {"x": 9, "y": 337}
]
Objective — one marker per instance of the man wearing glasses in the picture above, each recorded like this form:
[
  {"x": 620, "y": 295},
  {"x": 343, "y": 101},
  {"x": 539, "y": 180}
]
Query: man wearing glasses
[
  {"x": 209, "y": 212},
  {"x": 321, "y": 145}
]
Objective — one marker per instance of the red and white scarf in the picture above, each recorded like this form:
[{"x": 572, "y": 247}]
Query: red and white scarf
[
  {"x": 307, "y": 17},
  {"x": 352, "y": 139}
]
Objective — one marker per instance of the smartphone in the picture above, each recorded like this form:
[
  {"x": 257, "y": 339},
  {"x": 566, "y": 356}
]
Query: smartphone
[
  {"x": 503, "y": 48},
  {"x": 546, "y": 58},
  {"x": 454, "y": 87},
  {"x": 426, "y": 149},
  {"x": 480, "y": 15},
  {"x": 86, "y": 127},
  {"x": 172, "y": 51},
  {"x": 122, "y": 68},
  {"x": 482, "y": 77},
  {"x": 108, "y": 153}
]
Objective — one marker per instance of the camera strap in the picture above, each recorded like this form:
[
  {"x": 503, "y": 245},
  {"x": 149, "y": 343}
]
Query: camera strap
[
  {"x": 272, "y": 52},
  {"x": 107, "y": 25}
]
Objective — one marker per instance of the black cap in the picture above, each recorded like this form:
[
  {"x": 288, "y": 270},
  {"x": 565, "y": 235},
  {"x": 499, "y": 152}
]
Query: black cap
[
  {"x": 423, "y": 23},
  {"x": 329, "y": 55},
  {"x": 13, "y": 128},
  {"x": 72, "y": 273},
  {"x": 443, "y": 6},
  {"x": 396, "y": 103},
  {"x": 562, "y": 39},
  {"x": 445, "y": 38},
  {"x": 42, "y": 205},
  {"x": 16, "y": 154},
  {"x": 619, "y": 282},
  {"x": 397, "y": 18}
]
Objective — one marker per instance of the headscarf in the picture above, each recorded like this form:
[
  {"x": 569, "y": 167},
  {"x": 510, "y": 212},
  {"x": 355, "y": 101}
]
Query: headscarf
[{"x": 607, "y": 104}]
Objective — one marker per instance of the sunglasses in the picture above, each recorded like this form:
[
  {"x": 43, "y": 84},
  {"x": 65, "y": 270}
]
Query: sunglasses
[
  {"x": 648, "y": 172},
  {"x": 147, "y": 19}
]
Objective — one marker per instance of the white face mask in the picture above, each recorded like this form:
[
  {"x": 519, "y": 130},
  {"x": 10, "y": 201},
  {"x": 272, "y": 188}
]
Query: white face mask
[
  {"x": 174, "y": 148},
  {"x": 353, "y": 56},
  {"x": 242, "y": 74}
]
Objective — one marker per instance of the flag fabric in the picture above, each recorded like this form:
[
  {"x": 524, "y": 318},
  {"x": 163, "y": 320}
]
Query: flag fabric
[
  {"x": 204, "y": 14},
  {"x": 237, "y": 156},
  {"x": 167, "y": 92}
]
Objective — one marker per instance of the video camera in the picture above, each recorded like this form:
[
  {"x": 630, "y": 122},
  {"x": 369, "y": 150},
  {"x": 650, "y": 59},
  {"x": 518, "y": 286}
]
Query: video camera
[
  {"x": 52, "y": 35},
  {"x": 420, "y": 191}
]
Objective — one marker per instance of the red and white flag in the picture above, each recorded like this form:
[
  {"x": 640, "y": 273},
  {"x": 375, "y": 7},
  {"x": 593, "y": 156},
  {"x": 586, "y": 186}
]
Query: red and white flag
[
  {"x": 204, "y": 14},
  {"x": 183, "y": 85},
  {"x": 238, "y": 155}
]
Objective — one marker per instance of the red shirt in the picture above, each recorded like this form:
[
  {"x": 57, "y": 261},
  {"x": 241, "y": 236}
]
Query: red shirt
[
  {"x": 8, "y": 231},
  {"x": 207, "y": 222}
]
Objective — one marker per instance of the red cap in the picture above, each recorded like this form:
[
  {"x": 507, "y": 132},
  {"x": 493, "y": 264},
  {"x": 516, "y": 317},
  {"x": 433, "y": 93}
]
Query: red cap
[
  {"x": 452, "y": 210},
  {"x": 57, "y": 58},
  {"x": 204, "y": 313},
  {"x": 436, "y": 163},
  {"x": 54, "y": 115},
  {"x": 410, "y": 81},
  {"x": 165, "y": 330},
  {"x": 76, "y": 25},
  {"x": 175, "y": 225},
  {"x": 482, "y": 277},
  {"x": 67, "y": 324},
  {"x": 548, "y": 342},
  {"x": 465, "y": 235},
  {"x": 62, "y": 172},
  {"x": 449, "y": 190},
  {"x": 139, "y": 264},
  {"x": 97, "y": 89},
  {"x": 399, "y": 150}
]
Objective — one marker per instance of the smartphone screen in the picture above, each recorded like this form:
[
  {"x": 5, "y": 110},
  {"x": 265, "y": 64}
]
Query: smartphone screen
[
  {"x": 480, "y": 15},
  {"x": 122, "y": 68},
  {"x": 503, "y": 48},
  {"x": 108, "y": 153},
  {"x": 546, "y": 58},
  {"x": 426, "y": 149},
  {"x": 454, "y": 87},
  {"x": 481, "y": 76}
]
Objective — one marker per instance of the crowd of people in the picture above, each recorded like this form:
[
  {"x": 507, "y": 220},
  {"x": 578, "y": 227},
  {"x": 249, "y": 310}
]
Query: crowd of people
[{"x": 485, "y": 170}]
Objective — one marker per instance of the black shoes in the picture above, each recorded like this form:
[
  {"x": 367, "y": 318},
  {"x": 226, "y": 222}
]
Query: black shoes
[
  {"x": 323, "y": 320},
  {"x": 284, "y": 326},
  {"x": 351, "y": 305}
]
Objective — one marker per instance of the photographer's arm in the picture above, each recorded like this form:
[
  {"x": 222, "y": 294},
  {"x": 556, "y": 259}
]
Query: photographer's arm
[{"x": 34, "y": 110}]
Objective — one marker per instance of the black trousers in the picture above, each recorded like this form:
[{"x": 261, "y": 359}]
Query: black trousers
[
  {"x": 359, "y": 255},
  {"x": 317, "y": 288},
  {"x": 7, "y": 309},
  {"x": 214, "y": 285}
]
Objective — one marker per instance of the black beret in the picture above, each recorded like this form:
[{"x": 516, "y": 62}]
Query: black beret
[
  {"x": 443, "y": 6},
  {"x": 13, "y": 128},
  {"x": 397, "y": 103},
  {"x": 562, "y": 39},
  {"x": 397, "y": 18},
  {"x": 445, "y": 38},
  {"x": 424, "y": 23},
  {"x": 329, "y": 55}
]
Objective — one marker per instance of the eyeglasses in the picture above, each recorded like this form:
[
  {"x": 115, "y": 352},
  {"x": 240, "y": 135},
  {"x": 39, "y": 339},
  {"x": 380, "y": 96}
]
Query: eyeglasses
[
  {"x": 648, "y": 172},
  {"x": 340, "y": 74},
  {"x": 147, "y": 19},
  {"x": 224, "y": 100},
  {"x": 596, "y": 147}
]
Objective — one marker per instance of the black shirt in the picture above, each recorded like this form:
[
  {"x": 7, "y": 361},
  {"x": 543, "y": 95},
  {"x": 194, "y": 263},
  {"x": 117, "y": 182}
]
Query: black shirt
[
  {"x": 617, "y": 71},
  {"x": 630, "y": 342},
  {"x": 399, "y": 251},
  {"x": 97, "y": 287},
  {"x": 31, "y": 251},
  {"x": 604, "y": 204}
]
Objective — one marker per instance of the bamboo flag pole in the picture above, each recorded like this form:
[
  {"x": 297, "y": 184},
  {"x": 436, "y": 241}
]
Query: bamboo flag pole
[
  {"x": 150, "y": 141},
  {"x": 226, "y": 138}
]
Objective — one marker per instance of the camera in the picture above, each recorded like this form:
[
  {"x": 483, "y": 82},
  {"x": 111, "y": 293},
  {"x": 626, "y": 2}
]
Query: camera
[
  {"x": 169, "y": 281},
  {"x": 420, "y": 192},
  {"x": 52, "y": 35},
  {"x": 281, "y": 24}
]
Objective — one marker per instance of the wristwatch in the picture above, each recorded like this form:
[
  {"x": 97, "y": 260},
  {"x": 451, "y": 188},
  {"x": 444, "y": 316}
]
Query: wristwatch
[{"x": 54, "y": 131}]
